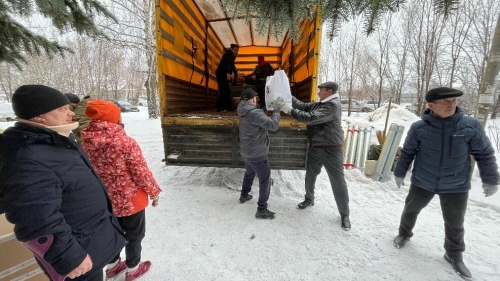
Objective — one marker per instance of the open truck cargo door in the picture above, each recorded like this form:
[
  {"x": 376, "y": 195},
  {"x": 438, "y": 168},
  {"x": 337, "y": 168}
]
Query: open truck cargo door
[{"x": 191, "y": 38}]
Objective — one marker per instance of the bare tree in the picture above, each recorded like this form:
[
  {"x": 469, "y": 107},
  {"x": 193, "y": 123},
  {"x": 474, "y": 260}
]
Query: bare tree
[
  {"x": 424, "y": 39},
  {"x": 458, "y": 28},
  {"x": 136, "y": 31},
  {"x": 385, "y": 45}
]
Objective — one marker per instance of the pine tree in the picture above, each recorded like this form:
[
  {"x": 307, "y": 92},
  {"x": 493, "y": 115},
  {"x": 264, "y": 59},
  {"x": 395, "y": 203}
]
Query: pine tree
[
  {"x": 278, "y": 16},
  {"x": 17, "y": 41}
]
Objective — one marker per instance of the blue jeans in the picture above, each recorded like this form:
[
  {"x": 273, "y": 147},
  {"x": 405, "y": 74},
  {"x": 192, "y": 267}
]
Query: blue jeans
[{"x": 263, "y": 171}]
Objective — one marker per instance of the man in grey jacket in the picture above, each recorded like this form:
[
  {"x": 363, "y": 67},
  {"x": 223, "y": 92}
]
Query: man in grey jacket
[
  {"x": 326, "y": 138},
  {"x": 254, "y": 147},
  {"x": 440, "y": 145}
]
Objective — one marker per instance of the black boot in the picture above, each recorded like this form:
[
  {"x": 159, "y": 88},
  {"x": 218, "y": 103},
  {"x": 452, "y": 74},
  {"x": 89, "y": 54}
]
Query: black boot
[
  {"x": 459, "y": 267},
  {"x": 400, "y": 241},
  {"x": 264, "y": 214},
  {"x": 346, "y": 223},
  {"x": 244, "y": 199},
  {"x": 305, "y": 204}
]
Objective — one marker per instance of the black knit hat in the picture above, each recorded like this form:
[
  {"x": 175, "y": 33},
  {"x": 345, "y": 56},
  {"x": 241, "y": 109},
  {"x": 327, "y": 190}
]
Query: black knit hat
[
  {"x": 329, "y": 85},
  {"x": 29, "y": 101},
  {"x": 72, "y": 98},
  {"x": 248, "y": 94},
  {"x": 442, "y": 93}
]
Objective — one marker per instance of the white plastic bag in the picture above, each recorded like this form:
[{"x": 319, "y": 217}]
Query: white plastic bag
[{"x": 278, "y": 86}]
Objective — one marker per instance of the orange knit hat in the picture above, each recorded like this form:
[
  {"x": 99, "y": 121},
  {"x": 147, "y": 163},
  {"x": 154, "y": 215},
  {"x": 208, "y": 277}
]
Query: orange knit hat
[{"x": 103, "y": 110}]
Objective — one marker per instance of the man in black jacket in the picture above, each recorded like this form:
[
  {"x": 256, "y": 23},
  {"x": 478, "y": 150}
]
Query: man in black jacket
[
  {"x": 226, "y": 71},
  {"x": 50, "y": 192},
  {"x": 326, "y": 138}
]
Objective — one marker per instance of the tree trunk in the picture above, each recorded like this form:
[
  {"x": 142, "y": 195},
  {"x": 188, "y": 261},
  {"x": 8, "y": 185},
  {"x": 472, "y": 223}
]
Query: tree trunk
[{"x": 490, "y": 79}]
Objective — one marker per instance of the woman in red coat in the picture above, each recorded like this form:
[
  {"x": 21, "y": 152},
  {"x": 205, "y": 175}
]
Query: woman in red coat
[{"x": 119, "y": 162}]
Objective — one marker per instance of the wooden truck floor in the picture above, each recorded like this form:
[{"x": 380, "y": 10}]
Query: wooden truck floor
[{"x": 208, "y": 138}]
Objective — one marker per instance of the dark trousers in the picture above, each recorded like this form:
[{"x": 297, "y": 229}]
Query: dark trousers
[
  {"x": 96, "y": 276},
  {"x": 263, "y": 171},
  {"x": 260, "y": 88},
  {"x": 224, "y": 101},
  {"x": 333, "y": 162},
  {"x": 134, "y": 227},
  {"x": 453, "y": 207}
]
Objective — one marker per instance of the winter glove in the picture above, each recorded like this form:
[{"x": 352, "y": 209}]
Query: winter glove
[
  {"x": 277, "y": 105},
  {"x": 489, "y": 189},
  {"x": 285, "y": 108},
  {"x": 155, "y": 201},
  {"x": 399, "y": 181}
]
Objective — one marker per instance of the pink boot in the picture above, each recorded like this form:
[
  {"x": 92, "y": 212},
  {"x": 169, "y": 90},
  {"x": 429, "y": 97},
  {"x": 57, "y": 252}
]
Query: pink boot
[
  {"x": 142, "y": 269},
  {"x": 112, "y": 273}
]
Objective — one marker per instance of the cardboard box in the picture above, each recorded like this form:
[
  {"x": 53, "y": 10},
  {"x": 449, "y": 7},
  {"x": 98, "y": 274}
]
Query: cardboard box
[{"x": 17, "y": 262}]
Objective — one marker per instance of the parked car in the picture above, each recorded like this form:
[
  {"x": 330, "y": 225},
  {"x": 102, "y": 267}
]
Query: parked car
[
  {"x": 356, "y": 106},
  {"x": 142, "y": 102},
  {"x": 125, "y": 106},
  {"x": 371, "y": 103}
]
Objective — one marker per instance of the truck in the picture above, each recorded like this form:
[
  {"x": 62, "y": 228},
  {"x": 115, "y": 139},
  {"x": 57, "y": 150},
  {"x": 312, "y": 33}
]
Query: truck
[{"x": 191, "y": 38}]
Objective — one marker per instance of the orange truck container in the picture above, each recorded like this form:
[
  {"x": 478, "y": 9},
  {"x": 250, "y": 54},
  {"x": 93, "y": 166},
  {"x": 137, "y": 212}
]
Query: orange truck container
[{"x": 191, "y": 38}]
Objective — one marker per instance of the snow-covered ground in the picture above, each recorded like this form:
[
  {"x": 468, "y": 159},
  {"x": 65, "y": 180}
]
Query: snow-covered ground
[{"x": 199, "y": 231}]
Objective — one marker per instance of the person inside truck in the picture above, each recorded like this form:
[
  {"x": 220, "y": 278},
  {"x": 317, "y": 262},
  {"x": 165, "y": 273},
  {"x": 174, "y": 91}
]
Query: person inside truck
[
  {"x": 260, "y": 73},
  {"x": 225, "y": 73},
  {"x": 254, "y": 147},
  {"x": 326, "y": 138},
  {"x": 50, "y": 192}
]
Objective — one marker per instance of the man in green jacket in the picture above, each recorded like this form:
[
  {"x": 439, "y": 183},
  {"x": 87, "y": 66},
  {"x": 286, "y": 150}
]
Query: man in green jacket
[{"x": 78, "y": 107}]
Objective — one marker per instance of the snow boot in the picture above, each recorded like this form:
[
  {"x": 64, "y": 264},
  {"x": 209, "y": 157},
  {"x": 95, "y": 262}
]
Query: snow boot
[
  {"x": 400, "y": 241},
  {"x": 244, "y": 199},
  {"x": 264, "y": 214},
  {"x": 305, "y": 204},
  {"x": 346, "y": 223},
  {"x": 142, "y": 269},
  {"x": 119, "y": 268},
  {"x": 459, "y": 267}
]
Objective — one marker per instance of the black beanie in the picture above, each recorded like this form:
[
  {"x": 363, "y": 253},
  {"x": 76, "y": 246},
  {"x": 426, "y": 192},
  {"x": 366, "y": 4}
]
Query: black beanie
[
  {"x": 29, "y": 101},
  {"x": 72, "y": 98},
  {"x": 442, "y": 93}
]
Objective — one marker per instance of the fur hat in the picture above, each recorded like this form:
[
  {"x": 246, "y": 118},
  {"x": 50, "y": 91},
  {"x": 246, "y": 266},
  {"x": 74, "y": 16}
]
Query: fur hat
[
  {"x": 329, "y": 85},
  {"x": 442, "y": 93},
  {"x": 72, "y": 98},
  {"x": 29, "y": 101},
  {"x": 248, "y": 94},
  {"x": 103, "y": 110}
]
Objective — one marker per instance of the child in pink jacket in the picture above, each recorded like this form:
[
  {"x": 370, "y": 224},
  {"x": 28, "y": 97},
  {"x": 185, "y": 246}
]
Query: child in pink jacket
[{"x": 119, "y": 162}]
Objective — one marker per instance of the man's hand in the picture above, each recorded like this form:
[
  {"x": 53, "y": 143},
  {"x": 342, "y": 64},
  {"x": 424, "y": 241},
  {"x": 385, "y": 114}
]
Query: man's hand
[
  {"x": 83, "y": 268},
  {"x": 489, "y": 189},
  {"x": 280, "y": 104},
  {"x": 277, "y": 105},
  {"x": 155, "y": 201},
  {"x": 399, "y": 181},
  {"x": 229, "y": 77},
  {"x": 254, "y": 77}
]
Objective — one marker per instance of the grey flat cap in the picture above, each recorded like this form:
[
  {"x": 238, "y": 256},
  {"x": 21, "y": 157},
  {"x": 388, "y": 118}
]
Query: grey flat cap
[{"x": 329, "y": 85}]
